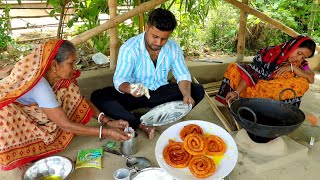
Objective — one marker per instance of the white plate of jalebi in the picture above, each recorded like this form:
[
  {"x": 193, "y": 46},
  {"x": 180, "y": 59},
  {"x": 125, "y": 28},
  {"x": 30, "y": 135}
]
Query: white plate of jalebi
[{"x": 223, "y": 164}]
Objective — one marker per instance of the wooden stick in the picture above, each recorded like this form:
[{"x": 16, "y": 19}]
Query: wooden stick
[
  {"x": 216, "y": 110},
  {"x": 238, "y": 126}
]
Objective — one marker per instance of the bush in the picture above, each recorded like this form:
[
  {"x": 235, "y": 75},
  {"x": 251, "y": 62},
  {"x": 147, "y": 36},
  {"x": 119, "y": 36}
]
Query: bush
[
  {"x": 4, "y": 28},
  {"x": 222, "y": 28}
]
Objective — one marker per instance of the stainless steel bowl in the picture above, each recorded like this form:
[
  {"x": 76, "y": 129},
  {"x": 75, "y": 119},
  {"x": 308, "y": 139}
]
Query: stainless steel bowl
[
  {"x": 166, "y": 113},
  {"x": 50, "y": 168}
]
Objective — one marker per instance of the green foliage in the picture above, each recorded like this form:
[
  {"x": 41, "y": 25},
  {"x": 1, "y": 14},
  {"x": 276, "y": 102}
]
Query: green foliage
[
  {"x": 126, "y": 32},
  {"x": 187, "y": 32},
  {"x": 294, "y": 13},
  {"x": 222, "y": 28},
  {"x": 4, "y": 28},
  {"x": 191, "y": 16},
  {"x": 204, "y": 22},
  {"x": 88, "y": 11},
  {"x": 58, "y": 5}
]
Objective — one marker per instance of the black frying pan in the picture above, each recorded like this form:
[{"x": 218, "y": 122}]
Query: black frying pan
[{"x": 266, "y": 117}]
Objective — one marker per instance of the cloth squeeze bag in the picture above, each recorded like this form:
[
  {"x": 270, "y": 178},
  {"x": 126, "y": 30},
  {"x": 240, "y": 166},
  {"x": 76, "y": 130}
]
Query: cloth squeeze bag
[
  {"x": 89, "y": 158},
  {"x": 141, "y": 89}
]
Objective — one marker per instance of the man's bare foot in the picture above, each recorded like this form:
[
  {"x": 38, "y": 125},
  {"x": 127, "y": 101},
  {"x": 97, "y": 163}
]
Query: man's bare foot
[{"x": 149, "y": 130}]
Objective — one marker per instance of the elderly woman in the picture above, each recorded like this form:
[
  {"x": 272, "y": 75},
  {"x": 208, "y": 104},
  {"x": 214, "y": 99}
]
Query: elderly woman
[
  {"x": 41, "y": 108},
  {"x": 273, "y": 70}
]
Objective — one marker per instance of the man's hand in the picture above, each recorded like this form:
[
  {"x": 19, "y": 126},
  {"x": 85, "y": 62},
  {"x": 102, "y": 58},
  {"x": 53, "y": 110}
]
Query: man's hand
[
  {"x": 138, "y": 90},
  {"x": 188, "y": 100}
]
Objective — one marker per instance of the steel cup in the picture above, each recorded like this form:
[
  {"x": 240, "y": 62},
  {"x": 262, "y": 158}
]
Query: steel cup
[{"x": 130, "y": 146}]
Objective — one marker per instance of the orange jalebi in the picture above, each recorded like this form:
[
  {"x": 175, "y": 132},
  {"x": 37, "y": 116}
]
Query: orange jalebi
[
  {"x": 175, "y": 155},
  {"x": 202, "y": 166},
  {"x": 216, "y": 146},
  {"x": 189, "y": 129},
  {"x": 195, "y": 144}
]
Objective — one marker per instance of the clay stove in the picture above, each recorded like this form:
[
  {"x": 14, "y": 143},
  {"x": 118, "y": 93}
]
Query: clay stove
[{"x": 262, "y": 157}]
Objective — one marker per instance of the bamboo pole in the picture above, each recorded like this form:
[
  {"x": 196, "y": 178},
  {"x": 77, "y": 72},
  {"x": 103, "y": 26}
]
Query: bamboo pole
[
  {"x": 242, "y": 33},
  {"x": 115, "y": 21},
  {"x": 265, "y": 18},
  {"x": 113, "y": 35},
  {"x": 141, "y": 19}
]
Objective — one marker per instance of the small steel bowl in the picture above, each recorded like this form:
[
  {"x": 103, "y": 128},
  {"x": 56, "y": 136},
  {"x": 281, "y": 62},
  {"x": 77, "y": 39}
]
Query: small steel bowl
[{"x": 53, "y": 167}]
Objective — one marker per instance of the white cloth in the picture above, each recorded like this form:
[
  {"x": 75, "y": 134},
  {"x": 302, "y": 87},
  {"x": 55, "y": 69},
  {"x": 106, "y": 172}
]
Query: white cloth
[{"x": 140, "y": 88}]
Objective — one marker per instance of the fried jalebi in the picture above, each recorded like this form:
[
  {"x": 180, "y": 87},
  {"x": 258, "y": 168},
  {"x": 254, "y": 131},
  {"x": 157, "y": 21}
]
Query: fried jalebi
[
  {"x": 202, "y": 166},
  {"x": 195, "y": 144},
  {"x": 216, "y": 146},
  {"x": 175, "y": 155},
  {"x": 189, "y": 129}
]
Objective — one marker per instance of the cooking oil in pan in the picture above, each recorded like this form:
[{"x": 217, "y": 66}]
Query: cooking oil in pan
[{"x": 51, "y": 177}]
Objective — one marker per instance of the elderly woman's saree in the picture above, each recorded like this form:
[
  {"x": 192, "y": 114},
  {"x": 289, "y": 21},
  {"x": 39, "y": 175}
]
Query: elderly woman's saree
[
  {"x": 259, "y": 75},
  {"x": 26, "y": 134}
]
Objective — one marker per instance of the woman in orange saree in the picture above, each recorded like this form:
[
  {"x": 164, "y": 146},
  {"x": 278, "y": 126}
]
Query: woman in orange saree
[
  {"x": 274, "y": 69},
  {"x": 30, "y": 128}
]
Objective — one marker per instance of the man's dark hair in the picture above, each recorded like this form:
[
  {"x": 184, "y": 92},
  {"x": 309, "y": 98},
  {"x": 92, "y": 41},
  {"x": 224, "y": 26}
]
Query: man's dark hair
[{"x": 162, "y": 19}]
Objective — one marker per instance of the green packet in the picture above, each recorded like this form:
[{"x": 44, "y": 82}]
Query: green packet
[{"x": 89, "y": 158}]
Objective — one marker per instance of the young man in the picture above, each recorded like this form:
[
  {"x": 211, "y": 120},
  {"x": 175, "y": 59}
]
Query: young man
[{"x": 141, "y": 76}]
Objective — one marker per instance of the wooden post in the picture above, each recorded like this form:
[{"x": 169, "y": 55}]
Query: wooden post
[
  {"x": 115, "y": 21},
  {"x": 113, "y": 35},
  {"x": 141, "y": 20},
  {"x": 242, "y": 34}
]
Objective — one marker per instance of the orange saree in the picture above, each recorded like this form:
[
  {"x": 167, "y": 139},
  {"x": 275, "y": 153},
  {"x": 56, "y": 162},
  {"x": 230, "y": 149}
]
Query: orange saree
[
  {"x": 259, "y": 75},
  {"x": 266, "y": 88},
  {"x": 26, "y": 134}
]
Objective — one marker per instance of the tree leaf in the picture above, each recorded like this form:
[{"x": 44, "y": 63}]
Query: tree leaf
[{"x": 52, "y": 12}]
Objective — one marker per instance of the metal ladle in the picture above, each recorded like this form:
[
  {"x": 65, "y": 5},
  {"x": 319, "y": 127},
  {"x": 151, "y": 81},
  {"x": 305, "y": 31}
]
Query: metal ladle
[{"x": 137, "y": 163}]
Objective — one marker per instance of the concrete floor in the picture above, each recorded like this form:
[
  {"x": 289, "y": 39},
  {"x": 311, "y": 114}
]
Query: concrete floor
[{"x": 307, "y": 169}]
